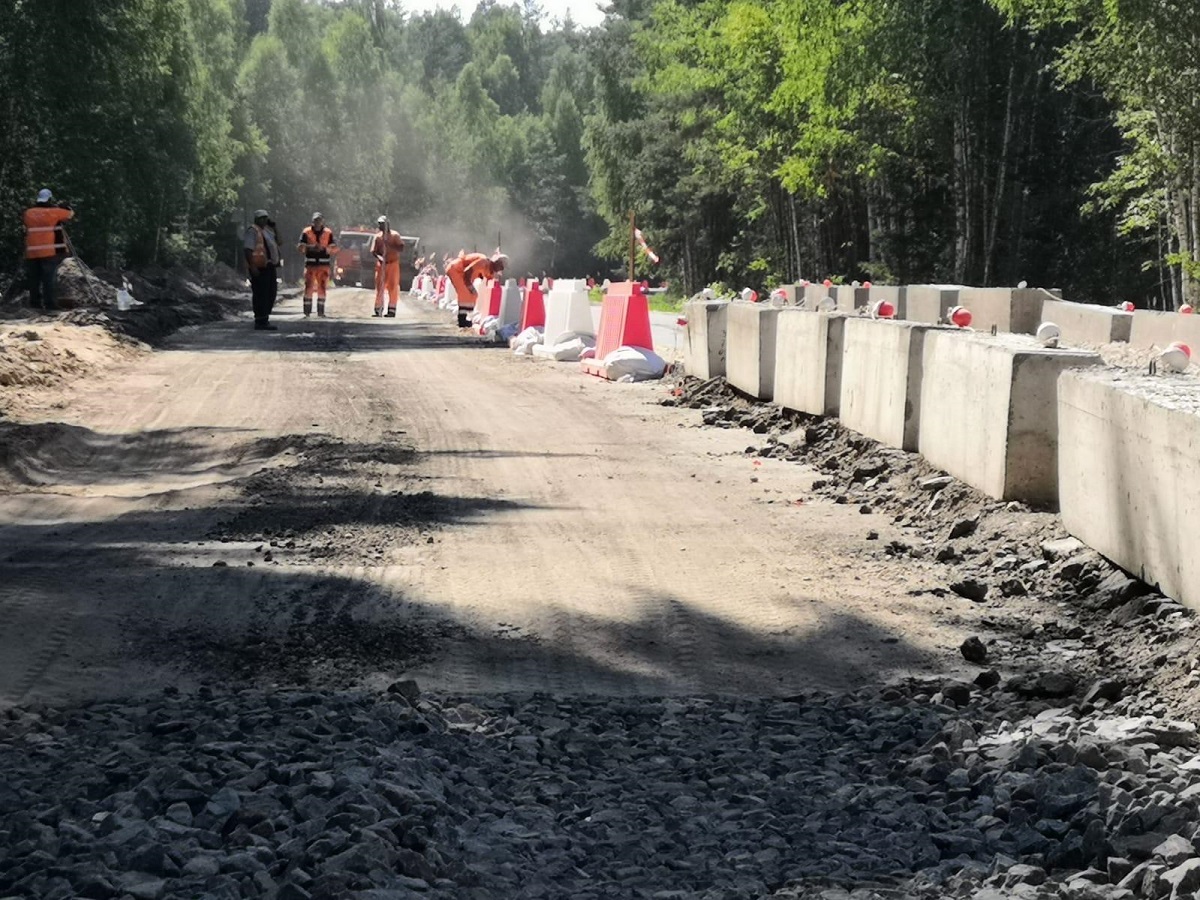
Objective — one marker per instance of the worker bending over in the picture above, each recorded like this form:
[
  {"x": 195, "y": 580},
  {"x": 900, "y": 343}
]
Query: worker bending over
[
  {"x": 45, "y": 246},
  {"x": 317, "y": 245},
  {"x": 463, "y": 272},
  {"x": 386, "y": 249}
]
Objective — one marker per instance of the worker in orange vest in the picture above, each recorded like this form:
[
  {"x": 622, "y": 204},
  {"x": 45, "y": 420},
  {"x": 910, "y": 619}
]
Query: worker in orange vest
[
  {"x": 386, "y": 249},
  {"x": 262, "y": 262},
  {"x": 45, "y": 246},
  {"x": 317, "y": 244},
  {"x": 463, "y": 272}
]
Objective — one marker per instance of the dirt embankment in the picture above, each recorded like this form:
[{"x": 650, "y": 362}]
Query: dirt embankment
[{"x": 44, "y": 355}]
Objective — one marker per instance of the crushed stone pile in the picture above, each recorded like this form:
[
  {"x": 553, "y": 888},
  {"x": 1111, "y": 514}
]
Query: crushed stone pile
[{"x": 888, "y": 792}]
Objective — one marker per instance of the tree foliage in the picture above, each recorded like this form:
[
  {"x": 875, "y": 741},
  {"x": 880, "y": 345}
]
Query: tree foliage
[{"x": 756, "y": 141}]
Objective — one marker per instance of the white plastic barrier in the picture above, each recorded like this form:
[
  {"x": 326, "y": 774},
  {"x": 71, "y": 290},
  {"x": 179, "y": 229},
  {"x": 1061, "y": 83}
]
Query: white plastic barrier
[
  {"x": 510, "y": 303},
  {"x": 568, "y": 310}
]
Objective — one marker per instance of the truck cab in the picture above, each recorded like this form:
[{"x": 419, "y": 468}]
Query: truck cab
[{"x": 354, "y": 266}]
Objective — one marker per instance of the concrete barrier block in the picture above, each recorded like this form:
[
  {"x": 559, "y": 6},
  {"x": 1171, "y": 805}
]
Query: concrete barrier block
[
  {"x": 850, "y": 298},
  {"x": 568, "y": 310},
  {"x": 929, "y": 303},
  {"x": 808, "y": 361},
  {"x": 750, "y": 348},
  {"x": 881, "y": 379},
  {"x": 704, "y": 351},
  {"x": 1011, "y": 310},
  {"x": 989, "y": 411},
  {"x": 1158, "y": 329},
  {"x": 1127, "y": 451},
  {"x": 791, "y": 293},
  {"x": 1086, "y": 323},
  {"x": 813, "y": 294},
  {"x": 894, "y": 294}
]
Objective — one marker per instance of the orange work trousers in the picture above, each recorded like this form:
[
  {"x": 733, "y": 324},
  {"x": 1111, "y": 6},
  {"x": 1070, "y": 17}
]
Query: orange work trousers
[
  {"x": 316, "y": 282},
  {"x": 387, "y": 278},
  {"x": 466, "y": 297}
]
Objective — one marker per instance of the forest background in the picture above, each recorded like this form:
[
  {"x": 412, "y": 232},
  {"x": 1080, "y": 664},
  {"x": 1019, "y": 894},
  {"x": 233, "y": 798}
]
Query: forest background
[{"x": 758, "y": 141}]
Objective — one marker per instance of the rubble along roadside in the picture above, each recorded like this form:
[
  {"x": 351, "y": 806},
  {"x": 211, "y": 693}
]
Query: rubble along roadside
[
  {"x": 887, "y": 792},
  {"x": 1058, "y": 617}
]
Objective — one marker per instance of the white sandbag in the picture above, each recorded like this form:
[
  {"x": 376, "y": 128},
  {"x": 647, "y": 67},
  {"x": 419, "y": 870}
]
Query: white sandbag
[
  {"x": 523, "y": 343},
  {"x": 567, "y": 351},
  {"x": 634, "y": 364}
]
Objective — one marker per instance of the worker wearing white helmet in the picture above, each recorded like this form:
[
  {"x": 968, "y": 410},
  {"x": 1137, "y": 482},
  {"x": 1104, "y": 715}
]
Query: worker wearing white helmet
[
  {"x": 386, "y": 248},
  {"x": 463, "y": 273},
  {"x": 318, "y": 246}
]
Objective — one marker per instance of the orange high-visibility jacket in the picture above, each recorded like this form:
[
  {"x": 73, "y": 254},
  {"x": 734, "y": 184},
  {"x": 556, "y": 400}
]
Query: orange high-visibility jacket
[
  {"x": 479, "y": 265},
  {"x": 44, "y": 236},
  {"x": 317, "y": 247},
  {"x": 393, "y": 244}
]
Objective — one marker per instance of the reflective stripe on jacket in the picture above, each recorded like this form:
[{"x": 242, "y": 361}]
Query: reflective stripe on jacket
[
  {"x": 44, "y": 236},
  {"x": 317, "y": 247}
]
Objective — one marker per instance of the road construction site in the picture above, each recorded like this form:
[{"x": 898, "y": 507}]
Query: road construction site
[{"x": 373, "y": 608}]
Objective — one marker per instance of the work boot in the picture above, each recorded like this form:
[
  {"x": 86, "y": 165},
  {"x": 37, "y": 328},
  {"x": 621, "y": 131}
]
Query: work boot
[
  {"x": 320, "y": 307},
  {"x": 463, "y": 322},
  {"x": 264, "y": 326},
  {"x": 307, "y": 307},
  {"x": 391, "y": 314},
  {"x": 378, "y": 313}
]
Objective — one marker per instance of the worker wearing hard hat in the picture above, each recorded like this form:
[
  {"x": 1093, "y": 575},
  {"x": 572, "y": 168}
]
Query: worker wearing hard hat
[
  {"x": 262, "y": 260},
  {"x": 386, "y": 248},
  {"x": 45, "y": 246},
  {"x": 463, "y": 273},
  {"x": 317, "y": 244}
]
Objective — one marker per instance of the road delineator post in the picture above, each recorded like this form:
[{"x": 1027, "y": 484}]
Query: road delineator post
[{"x": 624, "y": 322}]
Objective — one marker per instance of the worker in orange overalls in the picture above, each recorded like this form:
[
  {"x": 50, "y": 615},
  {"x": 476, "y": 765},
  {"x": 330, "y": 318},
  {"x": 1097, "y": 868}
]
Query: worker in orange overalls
[
  {"x": 463, "y": 272},
  {"x": 318, "y": 246},
  {"x": 45, "y": 246},
  {"x": 386, "y": 249}
]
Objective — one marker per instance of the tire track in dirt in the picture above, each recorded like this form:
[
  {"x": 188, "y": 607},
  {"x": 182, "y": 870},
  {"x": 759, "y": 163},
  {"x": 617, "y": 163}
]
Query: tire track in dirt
[{"x": 37, "y": 620}]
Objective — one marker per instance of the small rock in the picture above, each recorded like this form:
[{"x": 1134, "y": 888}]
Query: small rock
[
  {"x": 957, "y": 693},
  {"x": 936, "y": 483},
  {"x": 1049, "y": 684},
  {"x": 989, "y": 678},
  {"x": 1013, "y": 587},
  {"x": 1184, "y": 879},
  {"x": 1109, "y": 689},
  {"x": 1062, "y": 548},
  {"x": 964, "y": 528},
  {"x": 1024, "y": 874},
  {"x": 180, "y": 813},
  {"x": 974, "y": 650},
  {"x": 1174, "y": 850},
  {"x": 971, "y": 589},
  {"x": 408, "y": 689}
]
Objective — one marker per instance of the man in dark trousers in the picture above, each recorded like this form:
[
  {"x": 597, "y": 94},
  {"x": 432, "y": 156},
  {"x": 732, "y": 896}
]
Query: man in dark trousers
[
  {"x": 262, "y": 260},
  {"x": 45, "y": 246}
]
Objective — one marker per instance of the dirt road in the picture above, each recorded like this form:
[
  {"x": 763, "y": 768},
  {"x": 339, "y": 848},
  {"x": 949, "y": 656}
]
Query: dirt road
[{"x": 353, "y": 500}]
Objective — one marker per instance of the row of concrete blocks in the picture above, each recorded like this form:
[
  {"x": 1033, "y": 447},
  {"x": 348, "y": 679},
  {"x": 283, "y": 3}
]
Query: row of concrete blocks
[
  {"x": 1019, "y": 311},
  {"x": 1116, "y": 451}
]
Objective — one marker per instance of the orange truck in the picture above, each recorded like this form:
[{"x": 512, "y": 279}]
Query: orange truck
[{"x": 354, "y": 264}]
